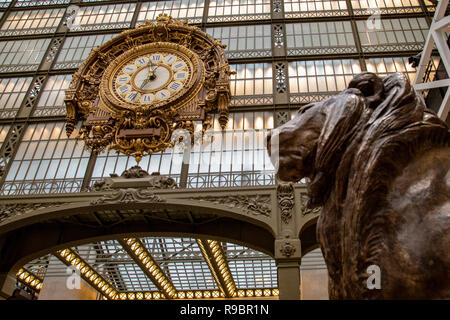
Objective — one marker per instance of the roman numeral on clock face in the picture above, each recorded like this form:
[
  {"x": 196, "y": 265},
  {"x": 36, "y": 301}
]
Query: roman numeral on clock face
[
  {"x": 142, "y": 61},
  {"x": 129, "y": 69},
  {"x": 156, "y": 57},
  {"x": 152, "y": 77},
  {"x": 124, "y": 89},
  {"x": 174, "y": 86},
  {"x": 123, "y": 78},
  {"x": 146, "y": 98},
  {"x": 170, "y": 59},
  {"x": 178, "y": 66},
  {"x": 163, "y": 94},
  {"x": 181, "y": 75},
  {"x": 132, "y": 96}
]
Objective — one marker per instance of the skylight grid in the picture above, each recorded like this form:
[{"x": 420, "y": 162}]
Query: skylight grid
[
  {"x": 191, "y": 276},
  {"x": 135, "y": 279},
  {"x": 254, "y": 273}
]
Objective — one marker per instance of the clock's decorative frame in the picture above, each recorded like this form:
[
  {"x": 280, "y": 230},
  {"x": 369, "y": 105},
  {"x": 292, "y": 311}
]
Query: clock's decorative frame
[{"x": 138, "y": 130}]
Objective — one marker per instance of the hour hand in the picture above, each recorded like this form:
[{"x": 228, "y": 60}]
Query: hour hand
[{"x": 151, "y": 75}]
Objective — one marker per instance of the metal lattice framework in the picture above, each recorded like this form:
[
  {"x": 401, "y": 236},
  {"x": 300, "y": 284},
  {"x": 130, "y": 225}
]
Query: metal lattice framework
[{"x": 437, "y": 36}]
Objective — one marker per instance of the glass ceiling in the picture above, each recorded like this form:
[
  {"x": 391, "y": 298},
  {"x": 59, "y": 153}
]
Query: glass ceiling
[{"x": 180, "y": 259}]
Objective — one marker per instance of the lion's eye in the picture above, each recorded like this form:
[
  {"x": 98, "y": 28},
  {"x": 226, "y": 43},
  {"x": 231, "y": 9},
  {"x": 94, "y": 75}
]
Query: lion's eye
[{"x": 303, "y": 109}]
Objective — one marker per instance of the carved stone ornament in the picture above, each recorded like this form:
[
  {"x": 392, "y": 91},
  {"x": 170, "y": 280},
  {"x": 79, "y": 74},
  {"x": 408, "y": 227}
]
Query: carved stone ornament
[
  {"x": 129, "y": 195},
  {"x": 258, "y": 205},
  {"x": 102, "y": 185},
  {"x": 379, "y": 164},
  {"x": 133, "y": 172},
  {"x": 285, "y": 195},
  {"x": 287, "y": 249},
  {"x": 304, "y": 206},
  {"x": 8, "y": 211},
  {"x": 135, "y": 90},
  {"x": 152, "y": 181}
]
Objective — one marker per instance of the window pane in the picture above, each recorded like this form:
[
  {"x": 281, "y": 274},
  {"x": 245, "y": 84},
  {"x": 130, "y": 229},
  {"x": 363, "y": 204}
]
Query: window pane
[
  {"x": 320, "y": 38},
  {"x": 192, "y": 10},
  {"x": 252, "y": 84},
  {"x": 22, "y": 55},
  {"x": 51, "y": 101},
  {"x": 393, "y": 35},
  {"x": 12, "y": 93},
  {"x": 244, "y": 41},
  {"x": 314, "y": 8},
  {"x": 47, "y": 162},
  {"x": 32, "y": 22},
  {"x": 311, "y": 81},
  {"x": 238, "y": 10}
]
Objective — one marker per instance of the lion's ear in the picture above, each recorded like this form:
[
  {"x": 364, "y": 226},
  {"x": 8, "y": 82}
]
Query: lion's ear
[{"x": 371, "y": 86}]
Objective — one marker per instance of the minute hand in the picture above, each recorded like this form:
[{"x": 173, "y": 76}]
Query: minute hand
[
  {"x": 154, "y": 70},
  {"x": 144, "y": 83},
  {"x": 150, "y": 65}
]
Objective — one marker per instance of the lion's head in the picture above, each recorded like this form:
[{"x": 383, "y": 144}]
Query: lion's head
[{"x": 328, "y": 135}]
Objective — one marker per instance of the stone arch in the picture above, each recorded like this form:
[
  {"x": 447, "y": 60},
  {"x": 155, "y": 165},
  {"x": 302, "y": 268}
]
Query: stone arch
[
  {"x": 42, "y": 231},
  {"x": 308, "y": 236}
]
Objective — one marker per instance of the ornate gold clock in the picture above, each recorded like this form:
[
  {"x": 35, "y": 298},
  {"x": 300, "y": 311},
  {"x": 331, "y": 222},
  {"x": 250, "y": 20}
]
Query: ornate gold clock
[
  {"x": 153, "y": 75},
  {"x": 136, "y": 89}
]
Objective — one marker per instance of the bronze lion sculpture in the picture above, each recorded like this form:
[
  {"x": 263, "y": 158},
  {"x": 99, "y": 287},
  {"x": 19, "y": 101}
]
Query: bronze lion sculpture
[{"x": 378, "y": 162}]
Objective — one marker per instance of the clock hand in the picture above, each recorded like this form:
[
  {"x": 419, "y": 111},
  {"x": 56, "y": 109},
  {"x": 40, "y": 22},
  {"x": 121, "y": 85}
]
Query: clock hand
[
  {"x": 149, "y": 63},
  {"x": 144, "y": 83},
  {"x": 146, "y": 80},
  {"x": 151, "y": 67},
  {"x": 154, "y": 70}
]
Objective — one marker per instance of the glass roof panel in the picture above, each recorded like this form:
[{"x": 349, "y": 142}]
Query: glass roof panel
[
  {"x": 135, "y": 279},
  {"x": 191, "y": 276},
  {"x": 250, "y": 268},
  {"x": 182, "y": 261}
]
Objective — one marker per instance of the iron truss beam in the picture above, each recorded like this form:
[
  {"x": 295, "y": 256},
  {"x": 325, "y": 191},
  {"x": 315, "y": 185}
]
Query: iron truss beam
[
  {"x": 29, "y": 279},
  {"x": 215, "y": 258},
  {"x": 70, "y": 258},
  {"x": 116, "y": 277},
  {"x": 136, "y": 249}
]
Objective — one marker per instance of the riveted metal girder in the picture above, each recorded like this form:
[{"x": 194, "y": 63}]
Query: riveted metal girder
[
  {"x": 29, "y": 279},
  {"x": 136, "y": 249},
  {"x": 215, "y": 258},
  {"x": 70, "y": 258}
]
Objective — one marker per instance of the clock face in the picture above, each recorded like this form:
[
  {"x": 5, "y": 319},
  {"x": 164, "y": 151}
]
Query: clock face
[{"x": 152, "y": 78}]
